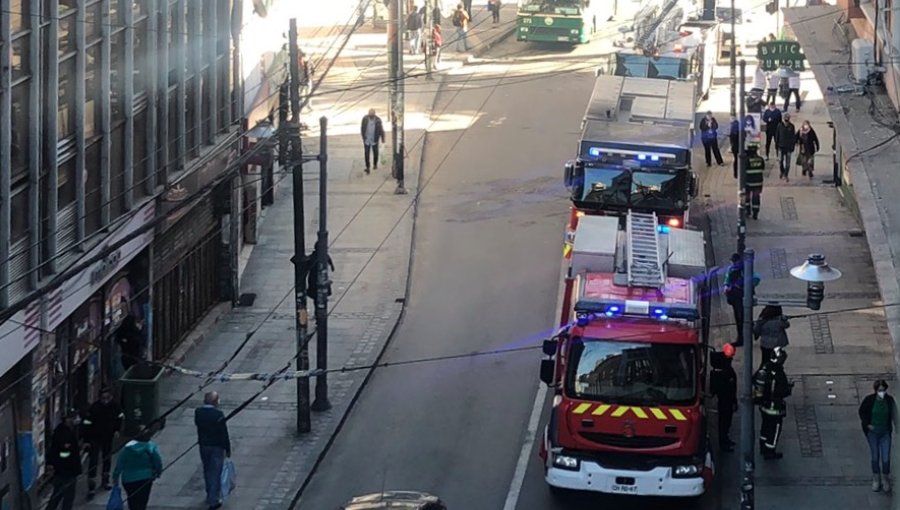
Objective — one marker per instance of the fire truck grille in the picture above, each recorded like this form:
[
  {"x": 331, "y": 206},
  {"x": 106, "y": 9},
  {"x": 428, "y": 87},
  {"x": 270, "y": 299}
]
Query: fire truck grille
[{"x": 629, "y": 442}]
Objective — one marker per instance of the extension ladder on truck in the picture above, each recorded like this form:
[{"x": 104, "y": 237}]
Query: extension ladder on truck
[{"x": 645, "y": 269}]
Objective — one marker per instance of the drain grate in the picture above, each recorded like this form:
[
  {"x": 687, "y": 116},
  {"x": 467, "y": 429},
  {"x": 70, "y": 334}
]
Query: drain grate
[
  {"x": 808, "y": 431},
  {"x": 821, "y": 333},
  {"x": 778, "y": 259},
  {"x": 788, "y": 208}
]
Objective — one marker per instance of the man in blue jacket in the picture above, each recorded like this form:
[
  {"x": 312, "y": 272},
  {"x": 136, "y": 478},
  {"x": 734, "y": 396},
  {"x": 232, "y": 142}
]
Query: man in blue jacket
[
  {"x": 215, "y": 446},
  {"x": 772, "y": 118}
]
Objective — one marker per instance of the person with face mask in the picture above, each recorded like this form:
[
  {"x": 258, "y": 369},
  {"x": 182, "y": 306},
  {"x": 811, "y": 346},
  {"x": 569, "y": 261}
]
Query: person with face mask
[
  {"x": 877, "y": 415},
  {"x": 709, "y": 135}
]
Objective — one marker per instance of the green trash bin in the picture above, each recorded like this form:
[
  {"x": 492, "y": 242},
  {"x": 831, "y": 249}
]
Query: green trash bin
[{"x": 140, "y": 396}]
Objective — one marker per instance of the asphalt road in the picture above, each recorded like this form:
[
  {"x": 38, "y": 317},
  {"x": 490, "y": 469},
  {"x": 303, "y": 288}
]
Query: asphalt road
[{"x": 485, "y": 276}]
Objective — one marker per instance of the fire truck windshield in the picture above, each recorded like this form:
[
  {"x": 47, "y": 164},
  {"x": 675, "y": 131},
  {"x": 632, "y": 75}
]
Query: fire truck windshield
[
  {"x": 606, "y": 186},
  {"x": 634, "y": 373},
  {"x": 658, "y": 190}
]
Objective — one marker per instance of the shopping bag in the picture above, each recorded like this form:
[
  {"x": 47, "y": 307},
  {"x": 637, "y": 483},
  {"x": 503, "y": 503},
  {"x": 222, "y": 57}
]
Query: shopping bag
[
  {"x": 115, "y": 499},
  {"x": 228, "y": 479}
]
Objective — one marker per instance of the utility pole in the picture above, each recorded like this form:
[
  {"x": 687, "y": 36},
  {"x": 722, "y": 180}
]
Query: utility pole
[
  {"x": 429, "y": 21},
  {"x": 301, "y": 264},
  {"x": 395, "y": 50},
  {"x": 743, "y": 197},
  {"x": 733, "y": 61},
  {"x": 323, "y": 286},
  {"x": 747, "y": 460}
]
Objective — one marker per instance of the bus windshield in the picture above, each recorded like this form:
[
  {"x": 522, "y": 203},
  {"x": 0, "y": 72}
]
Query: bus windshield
[
  {"x": 563, "y": 7},
  {"x": 632, "y": 373}
]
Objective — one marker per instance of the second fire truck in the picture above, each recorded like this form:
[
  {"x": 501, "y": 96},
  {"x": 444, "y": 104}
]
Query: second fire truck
[{"x": 627, "y": 369}]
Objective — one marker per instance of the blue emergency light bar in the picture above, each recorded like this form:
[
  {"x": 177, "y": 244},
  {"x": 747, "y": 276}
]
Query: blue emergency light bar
[
  {"x": 589, "y": 309},
  {"x": 640, "y": 156}
]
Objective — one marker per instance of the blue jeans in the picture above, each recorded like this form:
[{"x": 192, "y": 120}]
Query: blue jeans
[
  {"x": 785, "y": 163},
  {"x": 461, "y": 40},
  {"x": 880, "y": 448},
  {"x": 213, "y": 458}
]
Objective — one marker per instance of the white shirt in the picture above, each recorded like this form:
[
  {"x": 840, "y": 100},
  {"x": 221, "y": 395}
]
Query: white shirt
[
  {"x": 773, "y": 80},
  {"x": 759, "y": 79},
  {"x": 794, "y": 81},
  {"x": 370, "y": 131}
]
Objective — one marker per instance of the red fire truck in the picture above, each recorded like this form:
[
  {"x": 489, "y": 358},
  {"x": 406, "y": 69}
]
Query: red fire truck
[{"x": 627, "y": 367}]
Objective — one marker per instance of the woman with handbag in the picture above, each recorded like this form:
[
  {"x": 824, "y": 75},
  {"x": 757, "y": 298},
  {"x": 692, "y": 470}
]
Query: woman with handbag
[
  {"x": 138, "y": 464},
  {"x": 808, "y": 142}
]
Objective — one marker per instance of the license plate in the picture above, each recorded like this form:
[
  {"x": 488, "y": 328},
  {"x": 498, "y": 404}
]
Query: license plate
[
  {"x": 562, "y": 38},
  {"x": 624, "y": 489}
]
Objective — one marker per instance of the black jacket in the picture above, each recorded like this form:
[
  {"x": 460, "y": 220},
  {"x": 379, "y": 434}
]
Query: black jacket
[
  {"x": 64, "y": 453},
  {"x": 212, "y": 430},
  {"x": 723, "y": 382},
  {"x": 786, "y": 137},
  {"x": 865, "y": 411},
  {"x": 379, "y": 129},
  {"x": 811, "y": 144},
  {"x": 102, "y": 421}
]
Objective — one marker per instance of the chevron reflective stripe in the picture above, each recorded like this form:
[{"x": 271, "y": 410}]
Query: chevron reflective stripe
[
  {"x": 581, "y": 408},
  {"x": 601, "y": 409},
  {"x": 622, "y": 411}
]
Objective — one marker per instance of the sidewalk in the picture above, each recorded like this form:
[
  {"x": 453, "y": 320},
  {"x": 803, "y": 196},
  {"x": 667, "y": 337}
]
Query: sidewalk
[
  {"x": 834, "y": 356},
  {"x": 371, "y": 232}
]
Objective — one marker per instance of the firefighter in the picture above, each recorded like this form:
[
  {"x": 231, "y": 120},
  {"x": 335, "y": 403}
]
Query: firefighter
[
  {"x": 723, "y": 384},
  {"x": 64, "y": 459},
  {"x": 102, "y": 423},
  {"x": 770, "y": 388},
  {"x": 753, "y": 181},
  {"x": 734, "y": 293}
]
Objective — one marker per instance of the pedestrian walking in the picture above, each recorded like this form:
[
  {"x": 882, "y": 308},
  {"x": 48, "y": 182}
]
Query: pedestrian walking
[
  {"x": 64, "y": 461},
  {"x": 734, "y": 134},
  {"x": 808, "y": 146},
  {"x": 770, "y": 389},
  {"x": 772, "y": 118},
  {"x": 414, "y": 28},
  {"x": 130, "y": 337},
  {"x": 709, "y": 135},
  {"x": 494, "y": 7},
  {"x": 793, "y": 88},
  {"x": 734, "y": 294},
  {"x": 771, "y": 330},
  {"x": 372, "y": 131},
  {"x": 215, "y": 446},
  {"x": 101, "y": 425},
  {"x": 137, "y": 466},
  {"x": 307, "y": 71},
  {"x": 461, "y": 21},
  {"x": 723, "y": 384},
  {"x": 437, "y": 40},
  {"x": 785, "y": 140},
  {"x": 772, "y": 79},
  {"x": 754, "y": 165},
  {"x": 467, "y": 4},
  {"x": 878, "y": 413}
]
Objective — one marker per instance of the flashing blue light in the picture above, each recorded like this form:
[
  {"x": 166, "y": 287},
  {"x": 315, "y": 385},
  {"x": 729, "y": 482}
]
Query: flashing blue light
[
  {"x": 613, "y": 309},
  {"x": 654, "y": 157},
  {"x": 659, "y": 311},
  {"x": 594, "y": 151},
  {"x": 642, "y": 157},
  {"x": 663, "y": 229}
]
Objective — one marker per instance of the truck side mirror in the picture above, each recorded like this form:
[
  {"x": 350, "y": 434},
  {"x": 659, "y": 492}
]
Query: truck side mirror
[
  {"x": 549, "y": 346},
  {"x": 569, "y": 175},
  {"x": 693, "y": 187},
  {"x": 547, "y": 368}
]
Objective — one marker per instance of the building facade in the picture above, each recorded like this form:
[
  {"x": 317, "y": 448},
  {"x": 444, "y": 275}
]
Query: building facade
[{"x": 123, "y": 187}]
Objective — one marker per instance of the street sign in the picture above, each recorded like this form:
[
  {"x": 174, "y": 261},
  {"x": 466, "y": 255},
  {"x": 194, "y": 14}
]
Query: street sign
[{"x": 775, "y": 54}]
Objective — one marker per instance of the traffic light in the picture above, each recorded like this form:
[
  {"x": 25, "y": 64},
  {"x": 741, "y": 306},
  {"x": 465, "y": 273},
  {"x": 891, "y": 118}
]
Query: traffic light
[{"x": 772, "y": 7}]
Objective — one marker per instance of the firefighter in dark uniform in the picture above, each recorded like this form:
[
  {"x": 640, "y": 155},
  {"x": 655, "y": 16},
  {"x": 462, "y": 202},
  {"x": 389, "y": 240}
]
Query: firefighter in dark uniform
[
  {"x": 770, "y": 388},
  {"x": 64, "y": 458},
  {"x": 753, "y": 183},
  {"x": 723, "y": 384}
]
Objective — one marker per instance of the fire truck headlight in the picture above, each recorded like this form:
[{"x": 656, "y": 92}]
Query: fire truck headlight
[
  {"x": 566, "y": 462},
  {"x": 688, "y": 471}
]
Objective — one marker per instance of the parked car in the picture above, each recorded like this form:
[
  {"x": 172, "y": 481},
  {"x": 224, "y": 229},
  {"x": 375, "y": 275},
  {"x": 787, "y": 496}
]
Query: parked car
[{"x": 396, "y": 500}]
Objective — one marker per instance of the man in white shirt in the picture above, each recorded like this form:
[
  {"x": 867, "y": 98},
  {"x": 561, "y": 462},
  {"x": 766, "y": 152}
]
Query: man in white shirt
[{"x": 793, "y": 88}]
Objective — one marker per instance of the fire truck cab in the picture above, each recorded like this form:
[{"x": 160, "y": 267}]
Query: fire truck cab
[{"x": 627, "y": 367}]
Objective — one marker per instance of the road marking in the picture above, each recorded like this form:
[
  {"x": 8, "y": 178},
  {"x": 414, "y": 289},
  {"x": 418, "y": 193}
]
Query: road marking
[{"x": 518, "y": 479}]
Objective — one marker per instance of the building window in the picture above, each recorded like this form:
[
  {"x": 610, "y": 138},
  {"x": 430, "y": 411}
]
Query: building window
[
  {"x": 174, "y": 39},
  {"x": 20, "y": 214},
  {"x": 20, "y": 18},
  {"x": 66, "y": 183},
  {"x": 20, "y": 132},
  {"x": 93, "y": 21},
  {"x": 176, "y": 104},
  {"x": 117, "y": 81},
  {"x": 117, "y": 172},
  {"x": 92, "y": 91},
  {"x": 142, "y": 43},
  {"x": 66, "y": 31},
  {"x": 141, "y": 175},
  {"x": 93, "y": 198},
  {"x": 66, "y": 117},
  {"x": 206, "y": 106},
  {"x": 21, "y": 55},
  {"x": 190, "y": 114}
]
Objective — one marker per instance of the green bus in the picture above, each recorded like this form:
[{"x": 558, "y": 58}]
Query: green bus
[{"x": 563, "y": 21}]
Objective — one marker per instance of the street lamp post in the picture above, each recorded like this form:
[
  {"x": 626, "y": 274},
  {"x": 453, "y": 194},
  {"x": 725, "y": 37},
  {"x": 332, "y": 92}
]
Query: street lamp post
[{"x": 815, "y": 272}]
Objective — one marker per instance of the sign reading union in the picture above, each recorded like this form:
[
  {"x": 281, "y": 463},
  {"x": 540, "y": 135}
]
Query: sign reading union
[{"x": 775, "y": 54}]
